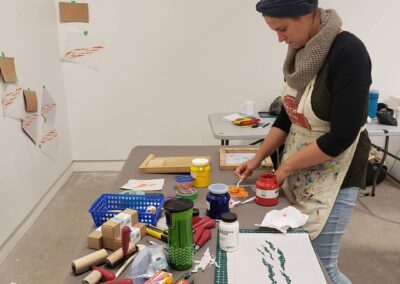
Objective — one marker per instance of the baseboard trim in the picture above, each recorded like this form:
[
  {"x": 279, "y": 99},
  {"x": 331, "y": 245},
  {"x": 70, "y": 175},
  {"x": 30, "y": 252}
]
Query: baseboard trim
[
  {"x": 24, "y": 226},
  {"x": 75, "y": 166}
]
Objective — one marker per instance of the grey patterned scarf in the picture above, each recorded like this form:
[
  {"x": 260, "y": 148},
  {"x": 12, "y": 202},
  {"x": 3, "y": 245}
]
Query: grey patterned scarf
[{"x": 301, "y": 65}]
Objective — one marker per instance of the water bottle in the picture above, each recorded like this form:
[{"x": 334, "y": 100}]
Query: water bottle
[
  {"x": 178, "y": 213},
  {"x": 373, "y": 103}
]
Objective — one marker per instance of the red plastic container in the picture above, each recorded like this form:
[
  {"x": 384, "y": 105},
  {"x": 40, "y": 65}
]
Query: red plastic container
[{"x": 267, "y": 190}]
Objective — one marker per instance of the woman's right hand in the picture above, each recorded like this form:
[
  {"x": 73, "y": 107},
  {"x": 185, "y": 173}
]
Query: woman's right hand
[{"x": 246, "y": 169}]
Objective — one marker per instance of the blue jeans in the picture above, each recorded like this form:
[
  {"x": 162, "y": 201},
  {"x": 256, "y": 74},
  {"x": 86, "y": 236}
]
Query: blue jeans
[{"x": 327, "y": 244}]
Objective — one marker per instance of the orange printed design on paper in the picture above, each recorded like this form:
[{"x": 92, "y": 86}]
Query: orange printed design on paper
[
  {"x": 49, "y": 136},
  {"x": 11, "y": 97},
  {"x": 141, "y": 185},
  {"x": 27, "y": 121},
  {"x": 80, "y": 52}
]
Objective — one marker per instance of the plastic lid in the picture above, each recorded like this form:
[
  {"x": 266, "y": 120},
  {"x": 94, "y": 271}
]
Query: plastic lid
[
  {"x": 183, "y": 178},
  {"x": 218, "y": 188},
  {"x": 373, "y": 93},
  {"x": 178, "y": 205},
  {"x": 196, "y": 212},
  {"x": 200, "y": 162},
  {"x": 229, "y": 217}
]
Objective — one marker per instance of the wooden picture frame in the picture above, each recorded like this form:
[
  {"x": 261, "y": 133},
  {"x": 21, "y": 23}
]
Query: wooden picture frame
[{"x": 230, "y": 158}]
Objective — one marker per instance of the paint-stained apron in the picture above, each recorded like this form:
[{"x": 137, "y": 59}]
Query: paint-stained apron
[{"x": 312, "y": 190}]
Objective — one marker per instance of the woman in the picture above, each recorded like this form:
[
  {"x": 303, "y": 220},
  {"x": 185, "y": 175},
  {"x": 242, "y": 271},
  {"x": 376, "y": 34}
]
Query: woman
[{"x": 327, "y": 75}]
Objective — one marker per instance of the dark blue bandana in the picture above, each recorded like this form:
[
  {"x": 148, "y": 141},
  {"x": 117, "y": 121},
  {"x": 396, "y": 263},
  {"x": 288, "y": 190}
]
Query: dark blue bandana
[{"x": 286, "y": 8}]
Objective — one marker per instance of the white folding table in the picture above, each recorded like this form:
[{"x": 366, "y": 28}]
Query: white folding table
[{"x": 225, "y": 131}]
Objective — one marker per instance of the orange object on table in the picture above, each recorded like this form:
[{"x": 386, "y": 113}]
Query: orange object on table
[{"x": 238, "y": 192}]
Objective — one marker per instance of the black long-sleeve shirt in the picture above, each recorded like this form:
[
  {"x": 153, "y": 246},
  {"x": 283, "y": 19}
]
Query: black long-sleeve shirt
[{"x": 340, "y": 96}]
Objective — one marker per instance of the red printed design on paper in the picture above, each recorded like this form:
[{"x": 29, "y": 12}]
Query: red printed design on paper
[
  {"x": 11, "y": 97},
  {"x": 291, "y": 109},
  {"x": 28, "y": 120},
  {"x": 48, "y": 107},
  {"x": 49, "y": 136},
  {"x": 79, "y": 52}
]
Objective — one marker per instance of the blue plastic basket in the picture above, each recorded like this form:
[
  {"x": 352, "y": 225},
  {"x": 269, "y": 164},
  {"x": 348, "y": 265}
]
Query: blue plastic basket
[{"x": 102, "y": 208}]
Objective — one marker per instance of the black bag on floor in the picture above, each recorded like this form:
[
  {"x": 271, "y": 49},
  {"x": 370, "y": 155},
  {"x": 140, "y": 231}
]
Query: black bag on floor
[{"x": 371, "y": 170}]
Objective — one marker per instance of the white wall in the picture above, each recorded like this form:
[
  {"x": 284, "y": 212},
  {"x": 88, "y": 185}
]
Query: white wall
[
  {"x": 178, "y": 60},
  {"x": 168, "y": 63},
  {"x": 29, "y": 33}
]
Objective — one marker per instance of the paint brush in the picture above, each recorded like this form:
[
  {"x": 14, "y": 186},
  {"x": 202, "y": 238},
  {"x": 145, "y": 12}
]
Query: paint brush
[{"x": 237, "y": 203}]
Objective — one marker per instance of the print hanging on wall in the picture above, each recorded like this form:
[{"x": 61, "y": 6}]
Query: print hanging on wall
[
  {"x": 30, "y": 125},
  {"x": 12, "y": 100},
  {"x": 49, "y": 139},
  {"x": 49, "y": 143},
  {"x": 83, "y": 49},
  {"x": 48, "y": 110}
]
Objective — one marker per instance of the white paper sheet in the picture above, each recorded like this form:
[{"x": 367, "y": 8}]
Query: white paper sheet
[
  {"x": 48, "y": 110},
  {"x": 30, "y": 125},
  {"x": 49, "y": 143},
  {"x": 12, "y": 100},
  {"x": 49, "y": 138},
  {"x": 232, "y": 117},
  {"x": 283, "y": 219},
  {"x": 83, "y": 49},
  {"x": 238, "y": 158},
  {"x": 145, "y": 185},
  {"x": 256, "y": 261}
]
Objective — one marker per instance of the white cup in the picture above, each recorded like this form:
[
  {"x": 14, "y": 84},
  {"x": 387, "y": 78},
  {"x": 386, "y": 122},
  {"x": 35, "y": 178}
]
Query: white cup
[{"x": 249, "y": 108}]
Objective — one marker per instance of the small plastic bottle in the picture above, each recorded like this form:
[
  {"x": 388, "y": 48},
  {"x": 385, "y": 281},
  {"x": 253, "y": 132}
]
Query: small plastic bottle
[{"x": 229, "y": 232}]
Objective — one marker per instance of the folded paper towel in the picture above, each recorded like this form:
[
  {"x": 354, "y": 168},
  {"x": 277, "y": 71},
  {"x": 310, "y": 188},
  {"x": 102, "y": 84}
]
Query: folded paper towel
[{"x": 283, "y": 219}]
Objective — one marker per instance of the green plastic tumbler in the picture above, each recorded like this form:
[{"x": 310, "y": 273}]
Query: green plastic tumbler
[{"x": 178, "y": 213}]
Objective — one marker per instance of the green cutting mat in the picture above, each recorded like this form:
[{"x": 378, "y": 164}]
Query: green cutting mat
[{"x": 221, "y": 272}]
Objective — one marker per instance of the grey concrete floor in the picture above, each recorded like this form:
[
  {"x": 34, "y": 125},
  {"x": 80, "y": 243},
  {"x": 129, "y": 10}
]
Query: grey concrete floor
[{"x": 370, "y": 251}]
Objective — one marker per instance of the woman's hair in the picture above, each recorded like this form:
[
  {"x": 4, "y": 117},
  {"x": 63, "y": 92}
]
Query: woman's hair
[{"x": 286, "y": 8}]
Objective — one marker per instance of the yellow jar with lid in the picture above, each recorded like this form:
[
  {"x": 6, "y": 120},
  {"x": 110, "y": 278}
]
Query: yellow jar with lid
[{"x": 201, "y": 172}]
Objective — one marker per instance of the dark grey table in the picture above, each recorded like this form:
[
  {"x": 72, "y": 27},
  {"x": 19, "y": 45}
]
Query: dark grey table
[{"x": 248, "y": 214}]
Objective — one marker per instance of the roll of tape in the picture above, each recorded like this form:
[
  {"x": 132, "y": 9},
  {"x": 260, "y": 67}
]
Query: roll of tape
[{"x": 187, "y": 193}]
